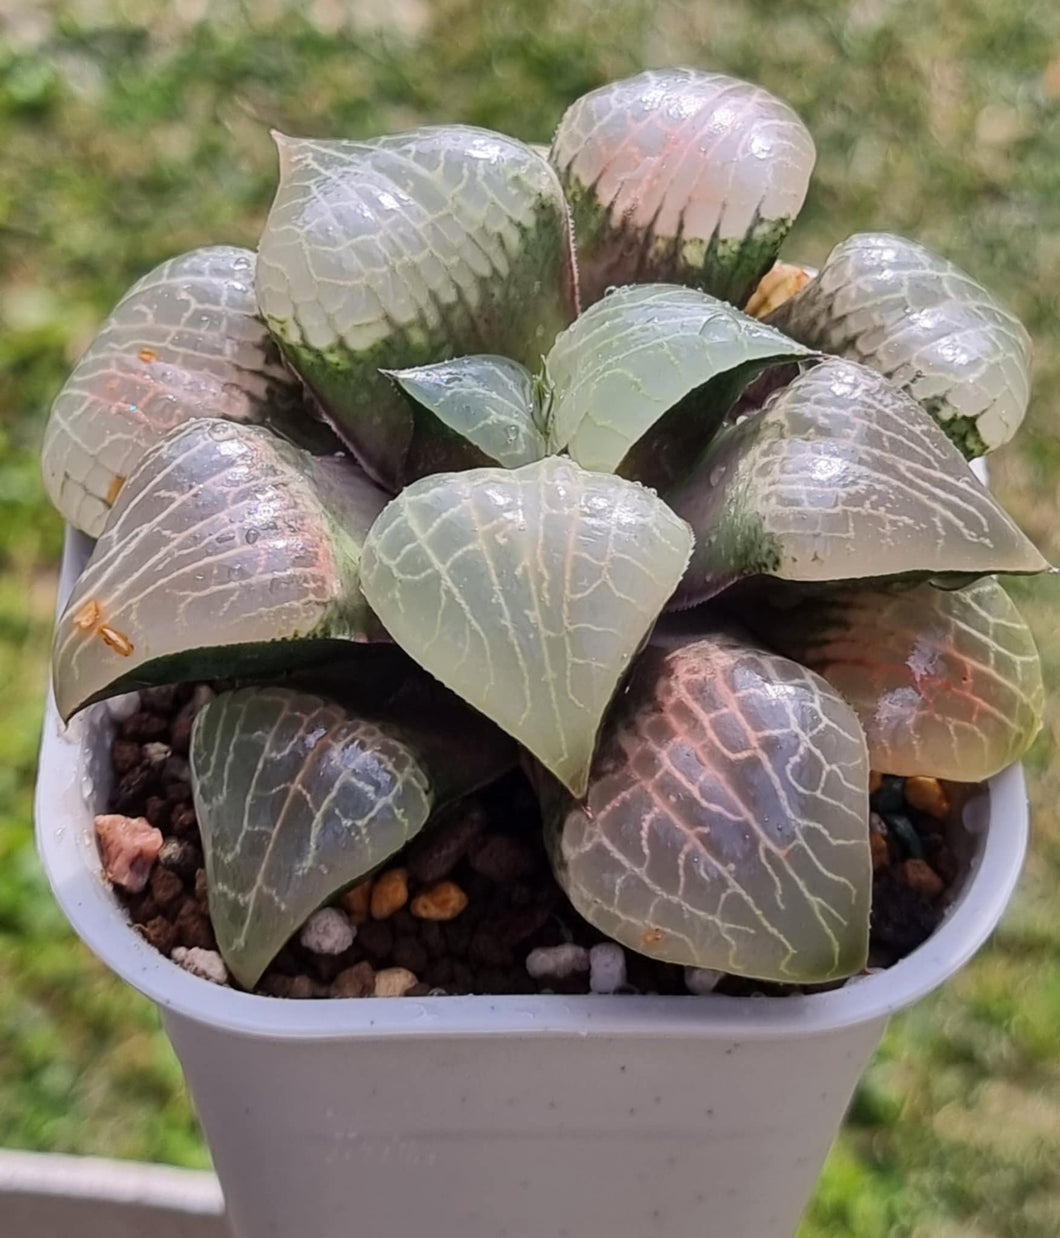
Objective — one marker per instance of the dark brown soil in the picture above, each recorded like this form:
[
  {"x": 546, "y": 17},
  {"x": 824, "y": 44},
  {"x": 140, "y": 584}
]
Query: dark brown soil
[{"x": 490, "y": 846}]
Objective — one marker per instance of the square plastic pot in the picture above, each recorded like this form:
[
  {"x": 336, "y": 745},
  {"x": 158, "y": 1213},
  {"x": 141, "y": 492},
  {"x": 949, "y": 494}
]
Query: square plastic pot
[{"x": 510, "y": 1117}]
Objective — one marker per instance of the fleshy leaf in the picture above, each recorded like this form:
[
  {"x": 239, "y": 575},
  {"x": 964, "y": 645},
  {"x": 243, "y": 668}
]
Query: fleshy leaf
[
  {"x": 462, "y": 749},
  {"x": 471, "y": 411},
  {"x": 407, "y": 250},
  {"x": 184, "y": 342},
  {"x": 527, "y": 592},
  {"x": 947, "y": 683},
  {"x": 643, "y": 378},
  {"x": 930, "y": 328},
  {"x": 841, "y": 477},
  {"x": 726, "y": 821},
  {"x": 296, "y": 798},
  {"x": 228, "y": 551},
  {"x": 681, "y": 177}
]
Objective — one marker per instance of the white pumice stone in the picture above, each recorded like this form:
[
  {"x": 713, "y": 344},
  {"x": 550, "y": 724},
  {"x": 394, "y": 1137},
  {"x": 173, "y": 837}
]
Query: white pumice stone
[
  {"x": 555, "y": 962},
  {"x": 207, "y": 964},
  {"x": 701, "y": 980},
  {"x": 328, "y": 931},
  {"x": 607, "y": 967}
]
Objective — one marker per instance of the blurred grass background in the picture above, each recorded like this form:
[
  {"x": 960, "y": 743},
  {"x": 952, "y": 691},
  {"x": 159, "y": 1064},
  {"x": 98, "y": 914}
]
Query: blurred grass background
[{"x": 130, "y": 131}]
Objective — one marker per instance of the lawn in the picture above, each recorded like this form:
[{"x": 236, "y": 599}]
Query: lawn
[{"x": 131, "y": 131}]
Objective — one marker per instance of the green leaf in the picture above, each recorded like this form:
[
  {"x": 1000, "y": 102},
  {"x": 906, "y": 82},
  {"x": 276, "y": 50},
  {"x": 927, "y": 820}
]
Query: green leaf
[
  {"x": 462, "y": 749},
  {"x": 296, "y": 798},
  {"x": 642, "y": 380},
  {"x": 228, "y": 551},
  {"x": 947, "y": 683},
  {"x": 469, "y": 412},
  {"x": 841, "y": 477},
  {"x": 726, "y": 821},
  {"x": 930, "y": 328},
  {"x": 681, "y": 177},
  {"x": 407, "y": 250},
  {"x": 527, "y": 592},
  {"x": 184, "y": 342}
]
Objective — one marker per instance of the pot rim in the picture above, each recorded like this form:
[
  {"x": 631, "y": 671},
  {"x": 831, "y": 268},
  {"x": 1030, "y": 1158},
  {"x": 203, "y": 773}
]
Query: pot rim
[{"x": 66, "y": 844}]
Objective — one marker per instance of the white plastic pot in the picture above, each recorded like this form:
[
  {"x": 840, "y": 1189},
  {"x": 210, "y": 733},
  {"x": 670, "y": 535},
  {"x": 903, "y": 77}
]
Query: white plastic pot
[{"x": 510, "y": 1117}]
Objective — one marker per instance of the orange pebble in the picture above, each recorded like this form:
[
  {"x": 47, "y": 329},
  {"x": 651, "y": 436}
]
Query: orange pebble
[
  {"x": 357, "y": 903},
  {"x": 444, "y": 901},
  {"x": 927, "y": 795},
  {"x": 390, "y": 893}
]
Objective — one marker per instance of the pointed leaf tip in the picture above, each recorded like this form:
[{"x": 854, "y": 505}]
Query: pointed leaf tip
[
  {"x": 527, "y": 592},
  {"x": 436, "y": 243},
  {"x": 296, "y": 798},
  {"x": 841, "y": 476},
  {"x": 228, "y": 551},
  {"x": 471, "y": 411},
  {"x": 643, "y": 379}
]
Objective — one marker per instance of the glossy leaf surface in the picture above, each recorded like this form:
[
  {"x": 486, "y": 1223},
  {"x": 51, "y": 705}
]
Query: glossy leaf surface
[
  {"x": 726, "y": 821},
  {"x": 683, "y": 177},
  {"x": 527, "y": 592},
  {"x": 644, "y": 377},
  {"x": 228, "y": 551},
  {"x": 296, "y": 798},
  {"x": 841, "y": 477},
  {"x": 930, "y": 328},
  {"x": 407, "y": 250},
  {"x": 947, "y": 683},
  {"x": 471, "y": 411},
  {"x": 184, "y": 342}
]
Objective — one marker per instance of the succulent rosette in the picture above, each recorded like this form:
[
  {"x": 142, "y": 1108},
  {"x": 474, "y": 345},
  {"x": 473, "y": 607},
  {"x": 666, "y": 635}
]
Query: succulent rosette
[{"x": 699, "y": 569}]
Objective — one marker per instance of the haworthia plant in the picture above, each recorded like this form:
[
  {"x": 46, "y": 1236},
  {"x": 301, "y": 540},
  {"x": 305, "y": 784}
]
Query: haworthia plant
[
  {"x": 726, "y": 820},
  {"x": 527, "y": 592},
  {"x": 841, "y": 477},
  {"x": 295, "y": 798},
  {"x": 707, "y": 798},
  {"x": 681, "y": 176},
  {"x": 469, "y": 412},
  {"x": 946, "y": 683},
  {"x": 184, "y": 342},
  {"x": 640, "y": 382},
  {"x": 916, "y": 317},
  {"x": 403, "y": 251},
  {"x": 228, "y": 550}
]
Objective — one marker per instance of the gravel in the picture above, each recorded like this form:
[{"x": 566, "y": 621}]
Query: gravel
[{"x": 471, "y": 905}]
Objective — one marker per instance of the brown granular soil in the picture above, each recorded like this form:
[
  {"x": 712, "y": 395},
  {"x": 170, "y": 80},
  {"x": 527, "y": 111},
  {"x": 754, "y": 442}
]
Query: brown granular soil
[{"x": 490, "y": 845}]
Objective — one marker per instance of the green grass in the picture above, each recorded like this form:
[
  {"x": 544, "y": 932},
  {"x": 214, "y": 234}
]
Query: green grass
[{"x": 136, "y": 132}]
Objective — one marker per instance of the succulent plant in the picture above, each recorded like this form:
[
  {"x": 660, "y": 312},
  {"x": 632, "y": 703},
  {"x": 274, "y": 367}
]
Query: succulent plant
[{"x": 699, "y": 569}]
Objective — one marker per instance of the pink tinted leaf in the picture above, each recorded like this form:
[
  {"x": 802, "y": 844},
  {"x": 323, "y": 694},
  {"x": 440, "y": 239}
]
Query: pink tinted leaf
[
  {"x": 946, "y": 683},
  {"x": 726, "y": 819}
]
